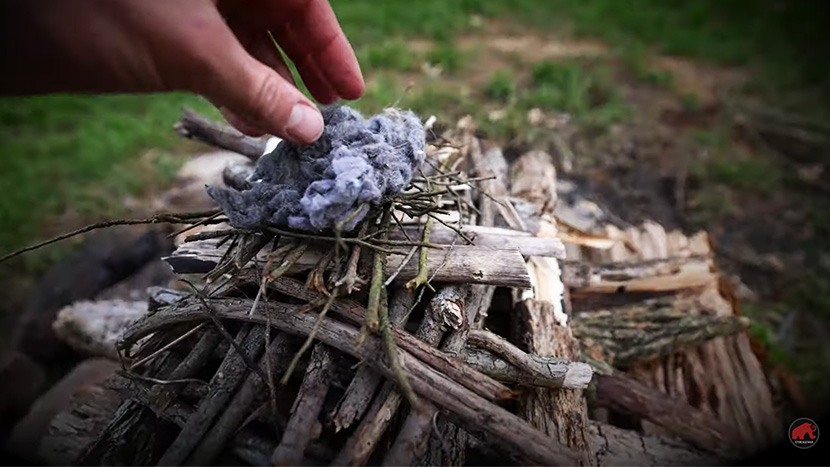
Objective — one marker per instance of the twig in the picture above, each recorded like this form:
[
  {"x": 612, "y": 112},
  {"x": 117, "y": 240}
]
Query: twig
[
  {"x": 227, "y": 335},
  {"x": 309, "y": 340},
  {"x": 376, "y": 285},
  {"x": 392, "y": 353},
  {"x": 193, "y": 226},
  {"x": 422, "y": 277},
  {"x": 166, "y": 347},
  {"x": 169, "y": 218},
  {"x": 403, "y": 264}
]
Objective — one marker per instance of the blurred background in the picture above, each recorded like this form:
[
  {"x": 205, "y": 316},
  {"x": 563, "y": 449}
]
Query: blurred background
[{"x": 698, "y": 114}]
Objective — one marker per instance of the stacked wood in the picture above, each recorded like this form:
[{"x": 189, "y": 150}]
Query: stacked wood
[
  {"x": 651, "y": 304},
  {"x": 214, "y": 377}
]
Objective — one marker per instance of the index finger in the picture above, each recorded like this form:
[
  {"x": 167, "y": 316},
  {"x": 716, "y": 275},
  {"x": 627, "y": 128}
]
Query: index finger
[{"x": 309, "y": 33}]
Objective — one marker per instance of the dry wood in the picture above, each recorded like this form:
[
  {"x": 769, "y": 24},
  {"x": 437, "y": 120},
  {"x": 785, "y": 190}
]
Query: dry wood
[
  {"x": 446, "y": 311},
  {"x": 427, "y": 382},
  {"x": 460, "y": 264},
  {"x": 554, "y": 372},
  {"x": 614, "y": 446},
  {"x": 75, "y": 428},
  {"x": 134, "y": 432},
  {"x": 663, "y": 275},
  {"x": 626, "y": 395},
  {"x": 193, "y": 126},
  {"x": 490, "y": 237},
  {"x": 306, "y": 408},
  {"x": 650, "y": 329},
  {"x": 562, "y": 413},
  {"x": 429, "y": 329},
  {"x": 229, "y": 376},
  {"x": 364, "y": 441},
  {"x": 279, "y": 350},
  {"x": 366, "y": 380}
]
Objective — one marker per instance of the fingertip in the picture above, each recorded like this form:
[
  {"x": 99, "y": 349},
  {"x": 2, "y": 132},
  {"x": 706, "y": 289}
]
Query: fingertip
[{"x": 305, "y": 124}]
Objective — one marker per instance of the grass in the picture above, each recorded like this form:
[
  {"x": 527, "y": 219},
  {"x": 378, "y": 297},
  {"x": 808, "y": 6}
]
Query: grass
[
  {"x": 583, "y": 90},
  {"x": 388, "y": 55},
  {"x": 56, "y": 148},
  {"x": 448, "y": 57},
  {"x": 500, "y": 86}
]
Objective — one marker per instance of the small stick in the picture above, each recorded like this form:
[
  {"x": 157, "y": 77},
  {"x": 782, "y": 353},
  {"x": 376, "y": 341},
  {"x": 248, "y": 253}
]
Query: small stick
[
  {"x": 392, "y": 353},
  {"x": 227, "y": 335},
  {"x": 403, "y": 264},
  {"x": 168, "y": 218},
  {"x": 422, "y": 276},
  {"x": 166, "y": 347},
  {"x": 309, "y": 339},
  {"x": 306, "y": 408},
  {"x": 350, "y": 278},
  {"x": 193, "y": 226},
  {"x": 377, "y": 279},
  {"x": 210, "y": 234}
]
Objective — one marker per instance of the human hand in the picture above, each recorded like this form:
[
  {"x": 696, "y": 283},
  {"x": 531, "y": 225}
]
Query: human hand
[{"x": 220, "y": 49}]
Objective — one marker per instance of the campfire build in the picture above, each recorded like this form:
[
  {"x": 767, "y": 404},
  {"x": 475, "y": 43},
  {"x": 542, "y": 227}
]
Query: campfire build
[{"x": 397, "y": 294}]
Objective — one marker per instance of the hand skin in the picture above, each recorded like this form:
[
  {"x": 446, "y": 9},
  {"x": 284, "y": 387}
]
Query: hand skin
[{"x": 220, "y": 49}]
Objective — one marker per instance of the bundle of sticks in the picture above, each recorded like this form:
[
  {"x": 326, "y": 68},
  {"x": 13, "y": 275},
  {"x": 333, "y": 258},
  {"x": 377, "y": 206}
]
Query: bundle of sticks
[{"x": 448, "y": 328}]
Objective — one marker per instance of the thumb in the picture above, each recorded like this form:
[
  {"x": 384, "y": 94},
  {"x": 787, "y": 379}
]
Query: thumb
[{"x": 260, "y": 97}]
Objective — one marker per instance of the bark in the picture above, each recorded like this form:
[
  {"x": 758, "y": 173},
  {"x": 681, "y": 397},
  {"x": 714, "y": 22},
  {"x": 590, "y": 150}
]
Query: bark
[
  {"x": 459, "y": 264},
  {"x": 678, "y": 419},
  {"x": 193, "y": 126},
  {"x": 651, "y": 329},
  {"x": 306, "y": 408}
]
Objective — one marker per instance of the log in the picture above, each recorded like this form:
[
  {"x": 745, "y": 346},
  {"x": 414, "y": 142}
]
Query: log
[
  {"x": 490, "y": 237},
  {"x": 93, "y": 327},
  {"x": 614, "y": 446},
  {"x": 651, "y": 329},
  {"x": 676, "y": 418},
  {"x": 72, "y": 430},
  {"x": 533, "y": 370},
  {"x": 459, "y": 264},
  {"x": 193, "y": 126},
  {"x": 662, "y": 275},
  {"x": 541, "y": 324}
]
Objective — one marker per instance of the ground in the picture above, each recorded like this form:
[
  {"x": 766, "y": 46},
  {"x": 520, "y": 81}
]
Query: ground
[{"x": 699, "y": 115}]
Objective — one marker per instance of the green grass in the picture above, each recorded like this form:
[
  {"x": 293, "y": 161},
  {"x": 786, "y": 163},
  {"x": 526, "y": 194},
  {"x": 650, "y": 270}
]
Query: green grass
[
  {"x": 500, "y": 86},
  {"x": 388, "y": 55},
  {"x": 580, "y": 89},
  {"x": 55, "y": 148},
  {"x": 448, "y": 57}
]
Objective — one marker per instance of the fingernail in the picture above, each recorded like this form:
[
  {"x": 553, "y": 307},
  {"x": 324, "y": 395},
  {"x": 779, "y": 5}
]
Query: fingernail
[{"x": 304, "y": 123}]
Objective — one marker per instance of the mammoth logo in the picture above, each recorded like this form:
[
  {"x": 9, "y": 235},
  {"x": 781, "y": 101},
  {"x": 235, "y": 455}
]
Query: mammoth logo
[{"x": 804, "y": 433}]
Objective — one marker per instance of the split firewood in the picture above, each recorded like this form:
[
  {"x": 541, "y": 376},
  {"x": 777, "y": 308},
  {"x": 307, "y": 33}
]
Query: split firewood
[
  {"x": 562, "y": 413},
  {"x": 664, "y": 275}
]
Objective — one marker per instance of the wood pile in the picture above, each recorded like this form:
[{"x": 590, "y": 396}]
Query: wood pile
[{"x": 618, "y": 346}]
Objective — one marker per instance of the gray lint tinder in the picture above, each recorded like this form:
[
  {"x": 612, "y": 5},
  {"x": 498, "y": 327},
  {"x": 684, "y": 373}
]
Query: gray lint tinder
[{"x": 355, "y": 162}]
